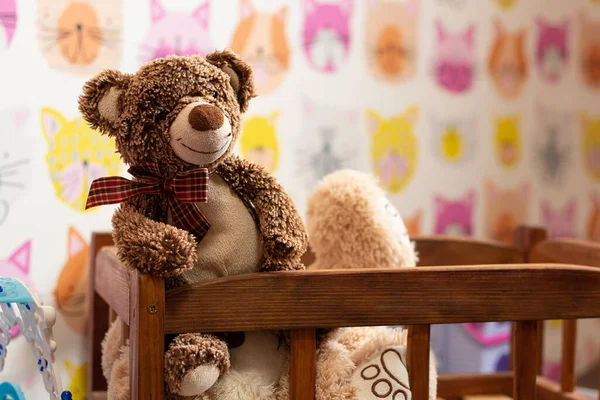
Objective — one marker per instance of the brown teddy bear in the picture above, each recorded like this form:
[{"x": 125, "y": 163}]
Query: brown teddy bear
[{"x": 175, "y": 123}]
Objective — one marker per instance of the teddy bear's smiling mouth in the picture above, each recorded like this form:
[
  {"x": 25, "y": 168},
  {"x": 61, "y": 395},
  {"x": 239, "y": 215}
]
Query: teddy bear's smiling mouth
[{"x": 205, "y": 152}]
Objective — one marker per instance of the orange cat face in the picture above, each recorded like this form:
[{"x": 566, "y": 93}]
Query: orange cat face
[
  {"x": 593, "y": 227},
  {"x": 261, "y": 40},
  {"x": 508, "y": 63},
  {"x": 505, "y": 209},
  {"x": 590, "y": 51},
  {"x": 71, "y": 292},
  {"x": 413, "y": 224}
]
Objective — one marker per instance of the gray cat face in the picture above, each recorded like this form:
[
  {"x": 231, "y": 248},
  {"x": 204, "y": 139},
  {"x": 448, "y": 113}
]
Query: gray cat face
[{"x": 553, "y": 146}]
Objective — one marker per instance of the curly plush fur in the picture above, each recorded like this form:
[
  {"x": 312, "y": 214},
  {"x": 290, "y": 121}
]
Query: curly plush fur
[
  {"x": 352, "y": 225},
  {"x": 140, "y": 111}
]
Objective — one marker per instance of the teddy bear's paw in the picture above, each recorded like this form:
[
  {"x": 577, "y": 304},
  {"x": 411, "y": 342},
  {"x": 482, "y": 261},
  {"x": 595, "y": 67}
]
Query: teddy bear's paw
[
  {"x": 383, "y": 376},
  {"x": 199, "y": 380},
  {"x": 194, "y": 362}
]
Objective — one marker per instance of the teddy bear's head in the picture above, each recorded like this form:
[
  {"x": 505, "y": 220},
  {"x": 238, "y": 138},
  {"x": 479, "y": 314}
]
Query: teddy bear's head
[
  {"x": 177, "y": 112},
  {"x": 351, "y": 224}
]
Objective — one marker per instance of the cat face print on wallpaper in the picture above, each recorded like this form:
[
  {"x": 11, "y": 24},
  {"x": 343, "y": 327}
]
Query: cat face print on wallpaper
[
  {"x": 81, "y": 37},
  {"x": 8, "y": 23},
  {"x": 76, "y": 156},
  {"x": 71, "y": 291},
  {"x": 15, "y": 154},
  {"x": 507, "y": 140},
  {"x": 17, "y": 266},
  {"x": 454, "y": 62},
  {"x": 560, "y": 223},
  {"x": 593, "y": 223},
  {"x": 454, "y": 139},
  {"x": 591, "y": 145},
  {"x": 589, "y": 48},
  {"x": 176, "y": 32},
  {"x": 259, "y": 142},
  {"x": 506, "y": 4},
  {"x": 413, "y": 223},
  {"x": 326, "y": 35},
  {"x": 552, "y": 49},
  {"x": 392, "y": 39},
  {"x": 394, "y": 148},
  {"x": 508, "y": 61},
  {"x": 504, "y": 210},
  {"x": 333, "y": 141},
  {"x": 261, "y": 39},
  {"x": 553, "y": 150},
  {"x": 77, "y": 379},
  {"x": 454, "y": 217}
]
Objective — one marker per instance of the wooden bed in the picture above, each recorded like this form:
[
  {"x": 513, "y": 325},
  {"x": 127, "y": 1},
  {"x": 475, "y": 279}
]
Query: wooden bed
[{"x": 462, "y": 280}]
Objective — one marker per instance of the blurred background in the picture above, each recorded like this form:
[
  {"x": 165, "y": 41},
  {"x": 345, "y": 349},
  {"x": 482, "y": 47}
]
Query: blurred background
[{"x": 475, "y": 115}]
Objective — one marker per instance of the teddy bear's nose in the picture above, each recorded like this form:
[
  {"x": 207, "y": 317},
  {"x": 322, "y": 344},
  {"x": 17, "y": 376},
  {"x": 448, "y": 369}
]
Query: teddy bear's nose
[{"x": 206, "y": 117}]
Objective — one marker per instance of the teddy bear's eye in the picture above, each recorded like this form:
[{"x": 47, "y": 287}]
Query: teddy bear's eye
[
  {"x": 213, "y": 93},
  {"x": 161, "y": 116}
]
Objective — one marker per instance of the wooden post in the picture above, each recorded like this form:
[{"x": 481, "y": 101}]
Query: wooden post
[
  {"x": 567, "y": 376},
  {"x": 97, "y": 319},
  {"x": 146, "y": 336},
  {"x": 525, "y": 239},
  {"x": 303, "y": 364},
  {"x": 525, "y": 365},
  {"x": 418, "y": 360}
]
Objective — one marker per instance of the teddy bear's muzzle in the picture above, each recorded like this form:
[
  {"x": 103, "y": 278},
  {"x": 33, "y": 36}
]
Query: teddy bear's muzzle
[{"x": 206, "y": 117}]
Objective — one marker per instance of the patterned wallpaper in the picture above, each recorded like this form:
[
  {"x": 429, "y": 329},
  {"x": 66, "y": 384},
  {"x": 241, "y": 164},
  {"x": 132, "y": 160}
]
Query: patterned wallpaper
[{"x": 474, "y": 115}]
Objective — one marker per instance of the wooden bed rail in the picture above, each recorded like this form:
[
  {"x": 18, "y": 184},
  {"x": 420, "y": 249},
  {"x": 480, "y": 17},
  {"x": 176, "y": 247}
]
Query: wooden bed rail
[{"x": 301, "y": 301}]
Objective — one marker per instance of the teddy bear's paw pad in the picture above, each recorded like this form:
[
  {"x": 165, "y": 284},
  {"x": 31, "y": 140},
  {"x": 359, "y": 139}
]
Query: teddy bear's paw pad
[
  {"x": 199, "y": 380},
  {"x": 383, "y": 376}
]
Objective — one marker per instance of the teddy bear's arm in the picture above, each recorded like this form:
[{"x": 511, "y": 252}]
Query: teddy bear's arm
[
  {"x": 284, "y": 235},
  {"x": 153, "y": 247}
]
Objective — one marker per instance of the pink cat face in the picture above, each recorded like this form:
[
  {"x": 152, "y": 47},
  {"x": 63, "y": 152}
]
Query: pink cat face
[
  {"x": 177, "y": 33},
  {"x": 454, "y": 217},
  {"x": 552, "y": 52},
  {"x": 17, "y": 266},
  {"x": 560, "y": 223},
  {"x": 454, "y": 62},
  {"x": 8, "y": 22},
  {"x": 327, "y": 33}
]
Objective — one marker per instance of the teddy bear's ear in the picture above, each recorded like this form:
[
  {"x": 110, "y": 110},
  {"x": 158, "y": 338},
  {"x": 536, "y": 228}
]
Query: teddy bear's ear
[
  {"x": 99, "y": 103},
  {"x": 239, "y": 72}
]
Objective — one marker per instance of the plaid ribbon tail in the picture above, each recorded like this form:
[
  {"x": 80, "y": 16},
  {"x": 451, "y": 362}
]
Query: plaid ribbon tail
[
  {"x": 189, "y": 216},
  {"x": 111, "y": 190}
]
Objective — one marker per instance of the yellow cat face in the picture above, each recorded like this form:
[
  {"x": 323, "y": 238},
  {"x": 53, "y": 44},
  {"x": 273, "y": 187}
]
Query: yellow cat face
[
  {"x": 394, "y": 148},
  {"x": 452, "y": 144},
  {"x": 507, "y": 4},
  {"x": 259, "y": 143},
  {"x": 591, "y": 145},
  {"x": 76, "y": 156},
  {"x": 78, "y": 382},
  {"x": 508, "y": 140}
]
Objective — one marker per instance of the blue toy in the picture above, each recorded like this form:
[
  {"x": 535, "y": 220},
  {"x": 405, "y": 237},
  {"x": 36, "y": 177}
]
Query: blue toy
[{"x": 20, "y": 306}]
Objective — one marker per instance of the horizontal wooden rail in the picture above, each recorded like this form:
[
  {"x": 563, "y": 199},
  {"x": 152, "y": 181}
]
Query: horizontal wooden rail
[
  {"x": 548, "y": 390},
  {"x": 455, "y": 386},
  {"x": 437, "y": 295},
  {"x": 450, "y": 250},
  {"x": 569, "y": 251}
]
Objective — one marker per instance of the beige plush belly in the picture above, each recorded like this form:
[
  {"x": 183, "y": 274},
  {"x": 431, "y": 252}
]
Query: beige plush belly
[{"x": 233, "y": 244}]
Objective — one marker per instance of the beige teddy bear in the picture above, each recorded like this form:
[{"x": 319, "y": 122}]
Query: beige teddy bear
[{"x": 351, "y": 224}]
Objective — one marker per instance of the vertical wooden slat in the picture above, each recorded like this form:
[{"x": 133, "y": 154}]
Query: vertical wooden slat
[
  {"x": 525, "y": 364},
  {"x": 567, "y": 375},
  {"x": 303, "y": 364},
  {"x": 418, "y": 360},
  {"x": 98, "y": 318},
  {"x": 147, "y": 341},
  {"x": 540, "y": 348},
  {"x": 525, "y": 239}
]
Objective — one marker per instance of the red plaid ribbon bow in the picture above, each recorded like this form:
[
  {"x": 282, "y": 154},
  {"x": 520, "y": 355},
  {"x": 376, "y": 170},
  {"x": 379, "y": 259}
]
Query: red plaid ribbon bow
[{"x": 183, "y": 191}]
